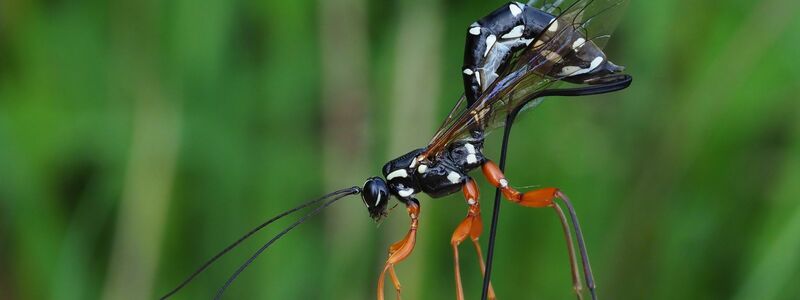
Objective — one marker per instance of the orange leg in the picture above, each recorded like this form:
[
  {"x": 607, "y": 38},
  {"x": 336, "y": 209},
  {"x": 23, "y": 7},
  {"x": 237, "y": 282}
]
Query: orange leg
[
  {"x": 471, "y": 226},
  {"x": 395, "y": 281},
  {"x": 399, "y": 251},
  {"x": 543, "y": 198}
]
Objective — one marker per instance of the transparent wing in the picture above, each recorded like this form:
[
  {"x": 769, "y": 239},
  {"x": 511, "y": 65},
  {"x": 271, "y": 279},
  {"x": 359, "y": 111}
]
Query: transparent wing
[
  {"x": 533, "y": 69},
  {"x": 459, "y": 109}
]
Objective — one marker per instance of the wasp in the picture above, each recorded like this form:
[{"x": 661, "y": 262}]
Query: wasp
[{"x": 513, "y": 57}]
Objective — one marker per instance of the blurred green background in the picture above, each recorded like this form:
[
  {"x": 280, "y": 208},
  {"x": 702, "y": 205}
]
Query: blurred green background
[{"x": 138, "y": 138}]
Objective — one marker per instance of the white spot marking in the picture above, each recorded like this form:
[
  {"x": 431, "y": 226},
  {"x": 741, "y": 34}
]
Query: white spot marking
[
  {"x": 406, "y": 192},
  {"x": 378, "y": 200},
  {"x": 397, "y": 173},
  {"x": 553, "y": 25},
  {"x": 503, "y": 183},
  {"x": 471, "y": 159},
  {"x": 515, "y": 10},
  {"x": 574, "y": 71},
  {"x": 578, "y": 44},
  {"x": 475, "y": 30},
  {"x": 595, "y": 63},
  {"x": 422, "y": 168},
  {"x": 514, "y": 32},
  {"x": 490, "y": 40},
  {"x": 470, "y": 148},
  {"x": 478, "y": 77},
  {"x": 468, "y": 71},
  {"x": 471, "y": 201},
  {"x": 453, "y": 177},
  {"x": 365, "y": 202}
]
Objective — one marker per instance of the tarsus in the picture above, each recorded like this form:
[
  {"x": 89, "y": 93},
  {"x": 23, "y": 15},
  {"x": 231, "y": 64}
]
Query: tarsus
[{"x": 587, "y": 268}]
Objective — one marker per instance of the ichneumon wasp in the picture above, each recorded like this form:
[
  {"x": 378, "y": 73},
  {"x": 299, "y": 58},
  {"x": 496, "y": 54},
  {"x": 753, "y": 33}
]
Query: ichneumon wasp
[{"x": 513, "y": 57}]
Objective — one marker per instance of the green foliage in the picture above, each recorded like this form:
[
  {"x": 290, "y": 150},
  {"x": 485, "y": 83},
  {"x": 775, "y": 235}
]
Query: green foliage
[{"x": 138, "y": 138}]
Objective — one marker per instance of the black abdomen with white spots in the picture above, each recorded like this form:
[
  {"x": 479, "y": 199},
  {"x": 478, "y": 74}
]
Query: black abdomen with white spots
[{"x": 493, "y": 39}]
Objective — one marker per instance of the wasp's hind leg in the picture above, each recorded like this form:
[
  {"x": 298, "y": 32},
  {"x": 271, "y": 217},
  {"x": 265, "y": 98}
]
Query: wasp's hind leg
[
  {"x": 545, "y": 198},
  {"x": 400, "y": 250},
  {"x": 471, "y": 226}
]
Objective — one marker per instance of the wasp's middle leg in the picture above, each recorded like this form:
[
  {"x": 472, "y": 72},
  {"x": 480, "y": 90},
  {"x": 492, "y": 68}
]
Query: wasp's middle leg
[{"x": 471, "y": 226}]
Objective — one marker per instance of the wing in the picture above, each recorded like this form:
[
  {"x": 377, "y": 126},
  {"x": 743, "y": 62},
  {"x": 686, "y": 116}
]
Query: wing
[{"x": 533, "y": 69}]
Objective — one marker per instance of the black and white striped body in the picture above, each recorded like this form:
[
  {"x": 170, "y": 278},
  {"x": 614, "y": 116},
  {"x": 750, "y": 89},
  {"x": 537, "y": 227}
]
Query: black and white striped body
[
  {"x": 491, "y": 42},
  {"x": 495, "y": 38},
  {"x": 513, "y": 58},
  {"x": 492, "y": 39}
]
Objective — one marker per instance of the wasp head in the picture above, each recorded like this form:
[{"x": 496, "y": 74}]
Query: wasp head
[{"x": 376, "y": 197}]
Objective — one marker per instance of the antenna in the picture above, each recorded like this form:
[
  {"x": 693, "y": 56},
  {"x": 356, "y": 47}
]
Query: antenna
[
  {"x": 341, "y": 193},
  {"x": 344, "y": 193}
]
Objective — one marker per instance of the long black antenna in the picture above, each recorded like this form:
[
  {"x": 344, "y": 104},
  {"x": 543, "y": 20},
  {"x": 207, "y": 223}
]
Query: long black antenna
[
  {"x": 341, "y": 194},
  {"x": 202, "y": 268},
  {"x": 608, "y": 84}
]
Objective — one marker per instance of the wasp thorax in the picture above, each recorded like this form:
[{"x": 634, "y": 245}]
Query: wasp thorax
[{"x": 376, "y": 197}]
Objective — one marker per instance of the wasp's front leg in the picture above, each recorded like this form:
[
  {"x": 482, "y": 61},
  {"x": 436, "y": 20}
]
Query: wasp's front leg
[{"x": 401, "y": 249}]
